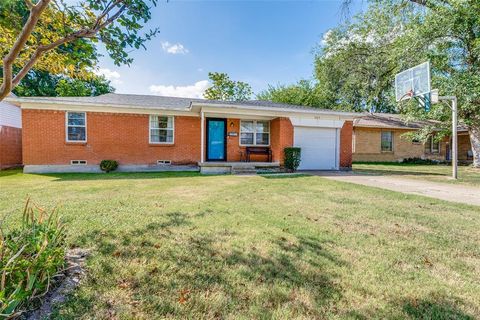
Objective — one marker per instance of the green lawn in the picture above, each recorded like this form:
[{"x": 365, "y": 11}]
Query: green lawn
[
  {"x": 181, "y": 245},
  {"x": 439, "y": 173}
]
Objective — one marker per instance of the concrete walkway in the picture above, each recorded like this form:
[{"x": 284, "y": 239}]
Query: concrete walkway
[{"x": 444, "y": 191}]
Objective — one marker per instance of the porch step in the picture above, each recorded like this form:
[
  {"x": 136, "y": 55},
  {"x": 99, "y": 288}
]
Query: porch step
[
  {"x": 236, "y": 167},
  {"x": 244, "y": 170}
]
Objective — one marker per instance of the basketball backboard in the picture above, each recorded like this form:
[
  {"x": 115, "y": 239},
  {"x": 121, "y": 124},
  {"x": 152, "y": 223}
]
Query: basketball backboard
[{"x": 413, "y": 82}]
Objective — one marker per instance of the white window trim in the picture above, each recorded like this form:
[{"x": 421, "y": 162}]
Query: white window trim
[
  {"x": 393, "y": 141},
  {"x": 254, "y": 134},
  {"x": 430, "y": 147},
  {"x": 150, "y": 129},
  {"x": 66, "y": 127}
]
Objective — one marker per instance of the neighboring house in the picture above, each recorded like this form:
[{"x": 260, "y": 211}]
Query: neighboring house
[
  {"x": 380, "y": 137},
  {"x": 10, "y": 136},
  {"x": 163, "y": 133}
]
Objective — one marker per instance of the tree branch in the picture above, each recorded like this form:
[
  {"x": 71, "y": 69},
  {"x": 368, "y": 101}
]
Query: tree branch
[
  {"x": 9, "y": 82},
  {"x": 84, "y": 33},
  {"x": 35, "y": 13},
  {"x": 29, "y": 4}
]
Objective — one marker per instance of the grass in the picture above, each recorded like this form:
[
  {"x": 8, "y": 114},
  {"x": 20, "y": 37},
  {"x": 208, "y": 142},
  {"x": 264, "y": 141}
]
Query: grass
[
  {"x": 467, "y": 175},
  {"x": 181, "y": 245}
]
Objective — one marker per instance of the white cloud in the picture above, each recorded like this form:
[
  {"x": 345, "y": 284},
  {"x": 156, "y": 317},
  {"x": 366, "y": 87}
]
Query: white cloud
[
  {"x": 192, "y": 91},
  {"x": 174, "y": 48},
  {"x": 113, "y": 76},
  {"x": 326, "y": 36}
]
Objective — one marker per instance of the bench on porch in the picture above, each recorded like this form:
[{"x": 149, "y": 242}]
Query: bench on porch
[{"x": 259, "y": 150}]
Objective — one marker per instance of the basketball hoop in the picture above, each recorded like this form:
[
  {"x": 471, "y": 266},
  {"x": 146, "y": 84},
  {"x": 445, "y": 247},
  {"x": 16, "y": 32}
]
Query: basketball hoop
[
  {"x": 414, "y": 83},
  {"x": 407, "y": 96}
]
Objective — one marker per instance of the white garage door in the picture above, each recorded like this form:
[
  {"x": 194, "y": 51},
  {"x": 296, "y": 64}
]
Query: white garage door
[{"x": 319, "y": 147}]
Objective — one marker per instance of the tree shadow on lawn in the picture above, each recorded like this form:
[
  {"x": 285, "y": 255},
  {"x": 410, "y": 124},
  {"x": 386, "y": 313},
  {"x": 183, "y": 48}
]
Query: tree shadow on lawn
[
  {"x": 10, "y": 172},
  {"x": 121, "y": 175},
  {"x": 422, "y": 309},
  {"x": 175, "y": 270},
  {"x": 431, "y": 309}
]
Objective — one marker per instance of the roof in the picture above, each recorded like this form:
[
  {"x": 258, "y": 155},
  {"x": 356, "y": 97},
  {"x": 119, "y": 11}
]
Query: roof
[
  {"x": 173, "y": 103},
  {"x": 388, "y": 120},
  {"x": 393, "y": 121},
  {"x": 118, "y": 100}
]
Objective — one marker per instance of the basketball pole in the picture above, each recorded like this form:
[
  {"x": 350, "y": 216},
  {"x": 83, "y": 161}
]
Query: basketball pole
[
  {"x": 455, "y": 139},
  {"x": 454, "y": 133}
]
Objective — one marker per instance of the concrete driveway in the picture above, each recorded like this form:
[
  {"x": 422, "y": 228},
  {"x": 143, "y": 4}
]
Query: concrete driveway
[{"x": 444, "y": 191}]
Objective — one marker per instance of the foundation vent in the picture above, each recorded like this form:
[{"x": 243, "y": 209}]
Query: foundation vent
[{"x": 78, "y": 162}]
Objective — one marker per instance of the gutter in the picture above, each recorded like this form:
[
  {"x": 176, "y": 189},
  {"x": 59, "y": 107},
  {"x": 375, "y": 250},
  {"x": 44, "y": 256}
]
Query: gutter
[{"x": 276, "y": 109}]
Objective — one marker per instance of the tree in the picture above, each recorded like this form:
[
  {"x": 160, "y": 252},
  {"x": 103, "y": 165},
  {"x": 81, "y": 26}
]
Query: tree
[
  {"x": 53, "y": 35},
  {"x": 41, "y": 83},
  {"x": 303, "y": 93},
  {"x": 225, "y": 89},
  {"x": 393, "y": 35},
  {"x": 356, "y": 62},
  {"x": 353, "y": 67},
  {"x": 67, "y": 87}
]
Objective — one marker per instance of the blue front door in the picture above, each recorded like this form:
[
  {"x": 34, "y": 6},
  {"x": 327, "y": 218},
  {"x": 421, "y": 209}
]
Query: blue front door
[{"x": 216, "y": 137}]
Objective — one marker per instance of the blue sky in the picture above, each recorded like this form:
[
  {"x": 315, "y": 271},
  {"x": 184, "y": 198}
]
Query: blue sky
[{"x": 259, "y": 42}]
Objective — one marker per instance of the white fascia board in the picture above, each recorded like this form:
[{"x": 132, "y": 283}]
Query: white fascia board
[
  {"x": 274, "y": 111},
  {"x": 248, "y": 116},
  {"x": 317, "y": 123},
  {"x": 91, "y": 107},
  {"x": 239, "y": 113}
]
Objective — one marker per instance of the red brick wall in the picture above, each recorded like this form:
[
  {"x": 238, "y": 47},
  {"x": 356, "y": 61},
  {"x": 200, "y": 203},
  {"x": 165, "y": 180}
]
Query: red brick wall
[
  {"x": 122, "y": 137},
  {"x": 10, "y": 147},
  {"x": 233, "y": 143},
  {"x": 281, "y": 136},
  {"x": 346, "y": 145}
]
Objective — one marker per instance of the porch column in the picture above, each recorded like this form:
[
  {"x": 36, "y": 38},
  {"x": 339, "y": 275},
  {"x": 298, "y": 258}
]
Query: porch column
[{"x": 202, "y": 136}]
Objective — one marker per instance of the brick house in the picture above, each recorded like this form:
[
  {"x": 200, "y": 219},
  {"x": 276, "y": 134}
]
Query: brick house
[
  {"x": 10, "y": 136},
  {"x": 147, "y": 133},
  {"x": 380, "y": 137}
]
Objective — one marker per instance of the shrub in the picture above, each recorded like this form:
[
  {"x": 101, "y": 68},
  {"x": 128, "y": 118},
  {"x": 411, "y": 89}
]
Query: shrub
[
  {"x": 292, "y": 158},
  {"x": 419, "y": 161},
  {"x": 108, "y": 165},
  {"x": 30, "y": 258}
]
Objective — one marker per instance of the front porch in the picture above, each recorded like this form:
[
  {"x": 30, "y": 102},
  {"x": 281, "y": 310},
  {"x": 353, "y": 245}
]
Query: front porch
[
  {"x": 228, "y": 137},
  {"x": 217, "y": 167}
]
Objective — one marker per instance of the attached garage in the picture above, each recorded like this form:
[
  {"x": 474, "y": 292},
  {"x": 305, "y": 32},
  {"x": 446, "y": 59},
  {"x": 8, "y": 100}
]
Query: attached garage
[{"x": 319, "y": 141}]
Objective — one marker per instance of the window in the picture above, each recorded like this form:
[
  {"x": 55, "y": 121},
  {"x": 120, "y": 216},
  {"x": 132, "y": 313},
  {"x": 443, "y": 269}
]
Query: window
[
  {"x": 432, "y": 146},
  {"x": 255, "y": 133},
  {"x": 387, "y": 141},
  {"x": 76, "y": 127},
  {"x": 161, "y": 129}
]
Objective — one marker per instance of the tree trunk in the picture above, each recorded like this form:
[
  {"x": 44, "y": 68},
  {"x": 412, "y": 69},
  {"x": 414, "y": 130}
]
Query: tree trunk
[{"x": 474, "y": 132}]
